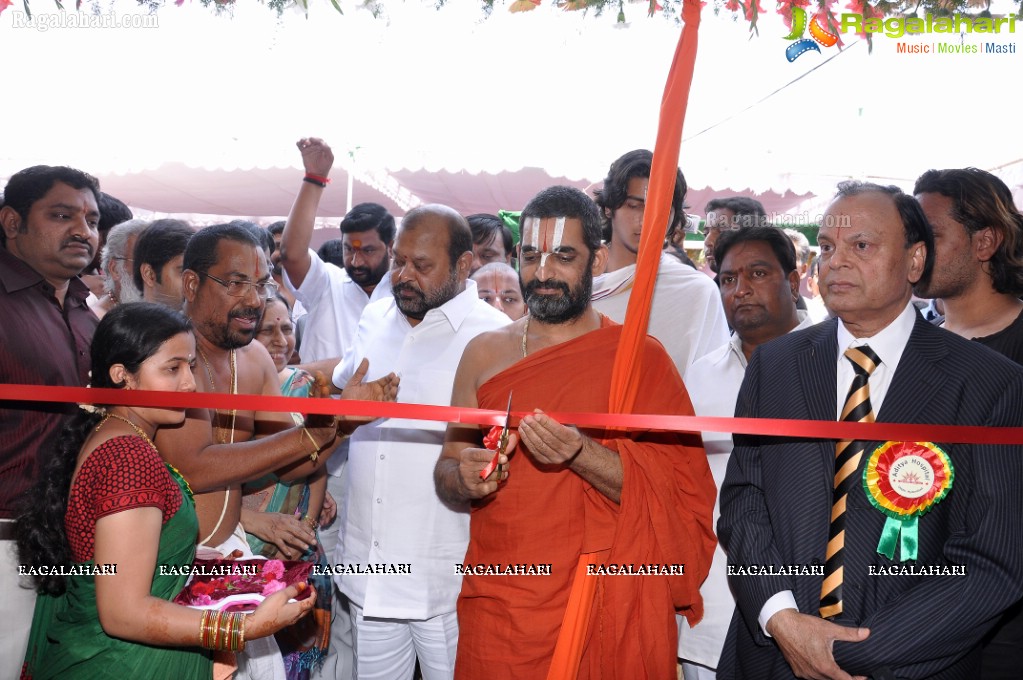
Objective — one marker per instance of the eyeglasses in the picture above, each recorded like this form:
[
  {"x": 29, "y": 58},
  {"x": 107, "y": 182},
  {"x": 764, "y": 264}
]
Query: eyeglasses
[{"x": 264, "y": 289}]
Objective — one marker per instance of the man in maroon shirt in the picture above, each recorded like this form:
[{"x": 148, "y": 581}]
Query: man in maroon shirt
[{"x": 50, "y": 234}]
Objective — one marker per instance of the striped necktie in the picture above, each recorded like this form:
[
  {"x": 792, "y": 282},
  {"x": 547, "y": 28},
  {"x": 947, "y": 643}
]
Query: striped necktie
[{"x": 857, "y": 409}]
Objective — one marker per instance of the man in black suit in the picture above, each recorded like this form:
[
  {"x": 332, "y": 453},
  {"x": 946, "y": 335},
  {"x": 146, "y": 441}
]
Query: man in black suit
[{"x": 854, "y": 599}]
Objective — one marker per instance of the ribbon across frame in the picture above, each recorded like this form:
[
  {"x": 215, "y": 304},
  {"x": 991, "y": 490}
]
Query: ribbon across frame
[{"x": 779, "y": 427}]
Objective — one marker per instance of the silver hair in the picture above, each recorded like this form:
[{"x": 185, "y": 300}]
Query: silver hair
[
  {"x": 801, "y": 243},
  {"x": 113, "y": 254}
]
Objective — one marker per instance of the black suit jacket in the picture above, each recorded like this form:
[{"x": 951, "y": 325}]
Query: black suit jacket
[{"x": 777, "y": 494}]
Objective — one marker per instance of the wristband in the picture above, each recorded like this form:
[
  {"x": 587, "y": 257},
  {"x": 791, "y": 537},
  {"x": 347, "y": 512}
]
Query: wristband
[{"x": 318, "y": 180}]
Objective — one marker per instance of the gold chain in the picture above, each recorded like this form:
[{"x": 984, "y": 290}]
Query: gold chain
[
  {"x": 140, "y": 432},
  {"x": 213, "y": 386}
]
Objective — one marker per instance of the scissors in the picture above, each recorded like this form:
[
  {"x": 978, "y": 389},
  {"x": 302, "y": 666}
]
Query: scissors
[{"x": 502, "y": 447}]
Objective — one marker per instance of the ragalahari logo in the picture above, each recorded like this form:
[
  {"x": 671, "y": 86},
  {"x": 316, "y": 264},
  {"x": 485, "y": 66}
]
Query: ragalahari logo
[{"x": 818, "y": 33}]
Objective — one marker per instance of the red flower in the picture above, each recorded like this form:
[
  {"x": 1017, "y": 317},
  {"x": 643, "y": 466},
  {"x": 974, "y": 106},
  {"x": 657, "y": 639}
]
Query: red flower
[
  {"x": 4, "y": 4},
  {"x": 202, "y": 588}
]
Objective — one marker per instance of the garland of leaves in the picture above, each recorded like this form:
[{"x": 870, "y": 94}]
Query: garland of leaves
[{"x": 749, "y": 9}]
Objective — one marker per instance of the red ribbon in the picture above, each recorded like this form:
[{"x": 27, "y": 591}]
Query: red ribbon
[{"x": 810, "y": 429}]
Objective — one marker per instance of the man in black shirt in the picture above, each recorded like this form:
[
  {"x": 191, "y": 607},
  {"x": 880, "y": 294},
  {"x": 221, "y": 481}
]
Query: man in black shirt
[{"x": 978, "y": 276}]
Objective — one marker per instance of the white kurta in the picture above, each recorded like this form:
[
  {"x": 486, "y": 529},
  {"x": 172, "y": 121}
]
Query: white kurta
[
  {"x": 713, "y": 383},
  {"x": 334, "y": 303},
  {"x": 686, "y": 315},
  {"x": 391, "y": 513}
]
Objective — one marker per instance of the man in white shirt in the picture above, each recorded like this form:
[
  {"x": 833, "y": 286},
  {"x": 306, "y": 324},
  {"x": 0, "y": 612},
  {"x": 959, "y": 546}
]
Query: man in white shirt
[
  {"x": 391, "y": 515},
  {"x": 867, "y": 558},
  {"x": 685, "y": 314},
  {"x": 759, "y": 282},
  {"x": 334, "y": 298}
]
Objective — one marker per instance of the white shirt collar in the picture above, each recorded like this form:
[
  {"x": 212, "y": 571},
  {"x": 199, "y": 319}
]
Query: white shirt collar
[
  {"x": 735, "y": 343},
  {"x": 457, "y": 308},
  {"x": 889, "y": 343}
]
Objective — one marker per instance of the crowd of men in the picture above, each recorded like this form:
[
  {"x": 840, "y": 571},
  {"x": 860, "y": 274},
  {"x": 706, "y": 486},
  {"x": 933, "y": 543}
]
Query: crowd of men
[{"x": 583, "y": 551}]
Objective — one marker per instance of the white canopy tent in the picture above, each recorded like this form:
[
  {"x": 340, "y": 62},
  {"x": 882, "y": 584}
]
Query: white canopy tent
[{"x": 200, "y": 114}]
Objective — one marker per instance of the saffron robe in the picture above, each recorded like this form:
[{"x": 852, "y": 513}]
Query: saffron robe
[{"x": 508, "y": 625}]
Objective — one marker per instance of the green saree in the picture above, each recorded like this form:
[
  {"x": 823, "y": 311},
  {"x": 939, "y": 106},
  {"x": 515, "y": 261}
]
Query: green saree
[{"x": 68, "y": 642}]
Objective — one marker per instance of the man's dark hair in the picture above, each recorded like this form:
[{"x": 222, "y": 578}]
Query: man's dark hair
[
  {"x": 201, "y": 253},
  {"x": 333, "y": 251},
  {"x": 459, "y": 234},
  {"x": 27, "y": 186},
  {"x": 161, "y": 242},
  {"x": 484, "y": 226},
  {"x": 366, "y": 216},
  {"x": 776, "y": 238},
  {"x": 914, "y": 222},
  {"x": 749, "y": 212},
  {"x": 276, "y": 228},
  {"x": 561, "y": 201},
  {"x": 111, "y": 212},
  {"x": 636, "y": 164},
  {"x": 262, "y": 236},
  {"x": 980, "y": 200}
]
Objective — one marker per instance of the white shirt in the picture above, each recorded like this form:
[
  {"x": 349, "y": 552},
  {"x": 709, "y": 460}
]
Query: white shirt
[
  {"x": 888, "y": 344},
  {"x": 686, "y": 314},
  {"x": 391, "y": 512},
  {"x": 335, "y": 303},
  {"x": 713, "y": 383}
]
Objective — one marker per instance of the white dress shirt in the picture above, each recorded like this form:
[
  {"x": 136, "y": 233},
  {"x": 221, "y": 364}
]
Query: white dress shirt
[
  {"x": 713, "y": 383},
  {"x": 686, "y": 315},
  {"x": 888, "y": 344},
  {"x": 391, "y": 512}
]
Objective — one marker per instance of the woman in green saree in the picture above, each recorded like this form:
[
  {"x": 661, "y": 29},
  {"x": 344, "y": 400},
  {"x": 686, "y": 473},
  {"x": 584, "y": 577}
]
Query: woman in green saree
[{"x": 110, "y": 510}]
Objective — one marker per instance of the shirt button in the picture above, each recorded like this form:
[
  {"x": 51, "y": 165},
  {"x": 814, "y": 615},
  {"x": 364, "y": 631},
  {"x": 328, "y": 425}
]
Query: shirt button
[
  {"x": 376, "y": 544},
  {"x": 380, "y": 500},
  {"x": 381, "y": 456}
]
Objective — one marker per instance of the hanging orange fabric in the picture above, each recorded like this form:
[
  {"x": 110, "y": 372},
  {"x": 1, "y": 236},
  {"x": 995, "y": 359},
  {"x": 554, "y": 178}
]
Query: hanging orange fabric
[{"x": 626, "y": 369}]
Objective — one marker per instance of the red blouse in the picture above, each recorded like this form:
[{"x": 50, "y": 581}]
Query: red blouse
[{"x": 120, "y": 474}]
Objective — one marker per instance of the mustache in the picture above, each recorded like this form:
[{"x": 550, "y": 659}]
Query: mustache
[
  {"x": 76, "y": 240},
  {"x": 253, "y": 313},
  {"x": 406, "y": 286},
  {"x": 530, "y": 288}
]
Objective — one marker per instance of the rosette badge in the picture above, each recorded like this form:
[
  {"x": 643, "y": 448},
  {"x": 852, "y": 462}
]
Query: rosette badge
[{"x": 904, "y": 480}]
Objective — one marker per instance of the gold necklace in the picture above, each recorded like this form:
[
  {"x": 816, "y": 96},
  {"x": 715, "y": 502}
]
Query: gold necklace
[
  {"x": 140, "y": 432},
  {"x": 525, "y": 332},
  {"x": 234, "y": 388}
]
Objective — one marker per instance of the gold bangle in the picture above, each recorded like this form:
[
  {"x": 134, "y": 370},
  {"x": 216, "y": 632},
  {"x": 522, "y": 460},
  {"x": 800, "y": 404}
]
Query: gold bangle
[
  {"x": 204, "y": 629},
  {"x": 214, "y": 630},
  {"x": 211, "y": 630},
  {"x": 314, "y": 456},
  {"x": 241, "y": 631},
  {"x": 229, "y": 642},
  {"x": 224, "y": 631}
]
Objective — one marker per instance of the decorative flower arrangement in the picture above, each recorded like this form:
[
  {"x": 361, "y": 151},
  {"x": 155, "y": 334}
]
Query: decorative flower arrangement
[{"x": 240, "y": 585}]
